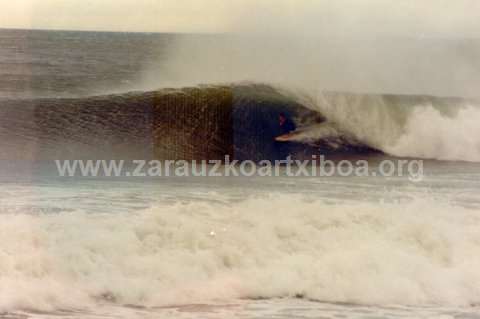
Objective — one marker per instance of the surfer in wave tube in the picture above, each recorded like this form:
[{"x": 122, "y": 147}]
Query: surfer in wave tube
[
  {"x": 286, "y": 124},
  {"x": 287, "y": 128}
]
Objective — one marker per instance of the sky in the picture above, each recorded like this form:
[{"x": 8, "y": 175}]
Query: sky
[{"x": 429, "y": 18}]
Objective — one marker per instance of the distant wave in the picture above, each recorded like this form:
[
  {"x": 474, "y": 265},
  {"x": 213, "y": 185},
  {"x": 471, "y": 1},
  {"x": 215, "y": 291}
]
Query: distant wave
[{"x": 241, "y": 120}]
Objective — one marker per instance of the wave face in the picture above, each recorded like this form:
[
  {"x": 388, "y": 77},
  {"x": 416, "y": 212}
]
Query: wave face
[
  {"x": 368, "y": 253},
  {"x": 206, "y": 122},
  {"x": 209, "y": 122}
]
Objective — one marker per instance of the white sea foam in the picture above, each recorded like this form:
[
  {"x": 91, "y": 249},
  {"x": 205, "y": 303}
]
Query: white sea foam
[
  {"x": 429, "y": 134},
  {"x": 417, "y": 252},
  {"x": 409, "y": 126}
]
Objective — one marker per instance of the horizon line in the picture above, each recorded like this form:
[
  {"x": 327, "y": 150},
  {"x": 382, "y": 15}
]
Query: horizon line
[
  {"x": 107, "y": 31},
  {"x": 419, "y": 37}
]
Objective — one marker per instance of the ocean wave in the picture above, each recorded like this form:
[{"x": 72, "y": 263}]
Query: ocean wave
[
  {"x": 428, "y": 127},
  {"x": 240, "y": 120},
  {"x": 408, "y": 253}
]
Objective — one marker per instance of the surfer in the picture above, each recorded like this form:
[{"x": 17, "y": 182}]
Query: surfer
[
  {"x": 286, "y": 124},
  {"x": 286, "y": 127}
]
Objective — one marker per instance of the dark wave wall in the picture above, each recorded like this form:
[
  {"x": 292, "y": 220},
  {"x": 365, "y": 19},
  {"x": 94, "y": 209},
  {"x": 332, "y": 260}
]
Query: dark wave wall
[{"x": 190, "y": 123}]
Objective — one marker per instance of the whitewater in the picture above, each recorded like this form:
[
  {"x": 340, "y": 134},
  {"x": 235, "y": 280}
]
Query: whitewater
[
  {"x": 406, "y": 126},
  {"x": 169, "y": 244}
]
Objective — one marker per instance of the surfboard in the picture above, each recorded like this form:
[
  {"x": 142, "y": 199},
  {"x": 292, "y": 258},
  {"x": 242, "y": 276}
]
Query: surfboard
[{"x": 287, "y": 137}]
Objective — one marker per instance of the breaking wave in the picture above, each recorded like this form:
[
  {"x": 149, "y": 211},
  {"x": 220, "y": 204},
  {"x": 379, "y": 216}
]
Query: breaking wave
[
  {"x": 367, "y": 253},
  {"x": 208, "y": 122},
  {"x": 400, "y": 125}
]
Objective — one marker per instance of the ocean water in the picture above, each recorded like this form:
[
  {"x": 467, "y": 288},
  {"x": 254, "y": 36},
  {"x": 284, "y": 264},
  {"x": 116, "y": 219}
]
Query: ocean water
[
  {"x": 62, "y": 63},
  {"x": 278, "y": 247}
]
